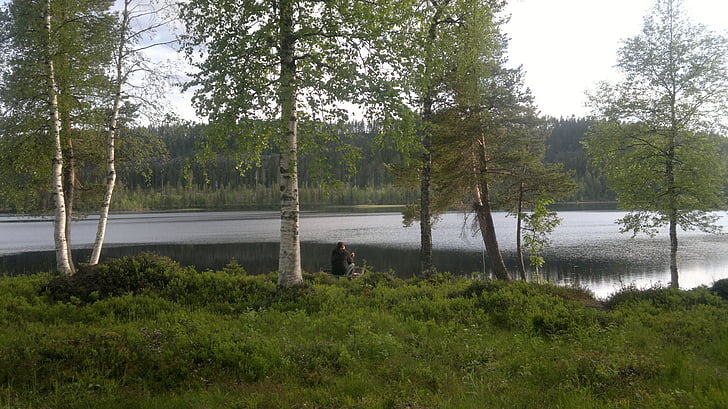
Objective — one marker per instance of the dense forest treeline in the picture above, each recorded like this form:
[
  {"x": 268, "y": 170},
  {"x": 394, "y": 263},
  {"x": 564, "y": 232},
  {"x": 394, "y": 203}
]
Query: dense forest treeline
[
  {"x": 165, "y": 167},
  {"x": 564, "y": 145}
]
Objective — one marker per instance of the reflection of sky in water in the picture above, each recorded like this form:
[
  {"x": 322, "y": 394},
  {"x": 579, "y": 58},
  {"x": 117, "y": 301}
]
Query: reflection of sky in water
[{"x": 587, "y": 247}]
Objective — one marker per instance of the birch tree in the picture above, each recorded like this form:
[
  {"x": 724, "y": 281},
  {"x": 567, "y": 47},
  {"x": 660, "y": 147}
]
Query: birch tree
[
  {"x": 82, "y": 46},
  {"x": 138, "y": 23},
  {"x": 51, "y": 89},
  {"x": 262, "y": 66},
  {"x": 657, "y": 142},
  {"x": 63, "y": 261}
]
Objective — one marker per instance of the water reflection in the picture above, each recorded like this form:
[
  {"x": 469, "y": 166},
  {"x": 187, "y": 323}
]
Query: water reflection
[
  {"x": 603, "y": 276},
  {"x": 587, "y": 248},
  {"x": 257, "y": 258}
]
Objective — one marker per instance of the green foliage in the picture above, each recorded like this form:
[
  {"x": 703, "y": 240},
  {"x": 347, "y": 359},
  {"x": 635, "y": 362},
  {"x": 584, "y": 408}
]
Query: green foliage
[
  {"x": 658, "y": 141},
  {"x": 255, "y": 197},
  {"x": 151, "y": 163},
  {"x": 81, "y": 41},
  {"x": 227, "y": 339},
  {"x": 273, "y": 58},
  {"x": 656, "y": 175},
  {"x": 117, "y": 277},
  {"x": 720, "y": 288},
  {"x": 538, "y": 226},
  {"x": 542, "y": 309},
  {"x": 661, "y": 298}
]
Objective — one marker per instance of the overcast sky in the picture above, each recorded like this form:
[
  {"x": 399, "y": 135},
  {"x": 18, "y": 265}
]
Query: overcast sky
[{"x": 567, "y": 46}]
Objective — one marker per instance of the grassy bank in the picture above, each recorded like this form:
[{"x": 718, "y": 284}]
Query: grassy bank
[{"x": 145, "y": 333}]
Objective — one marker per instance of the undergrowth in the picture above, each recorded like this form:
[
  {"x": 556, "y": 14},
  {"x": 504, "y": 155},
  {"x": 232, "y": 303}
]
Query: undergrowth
[{"x": 144, "y": 332}]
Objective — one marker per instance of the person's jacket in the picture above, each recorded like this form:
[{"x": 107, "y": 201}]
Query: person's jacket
[{"x": 340, "y": 259}]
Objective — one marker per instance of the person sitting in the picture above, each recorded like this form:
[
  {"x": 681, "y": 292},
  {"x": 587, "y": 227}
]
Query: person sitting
[{"x": 342, "y": 261}]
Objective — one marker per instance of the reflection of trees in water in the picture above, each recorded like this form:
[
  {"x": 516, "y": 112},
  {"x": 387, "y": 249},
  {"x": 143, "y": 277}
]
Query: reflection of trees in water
[
  {"x": 600, "y": 271},
  {"x": 29, "y": 263},
  {"x": 259, "y": 258},
  {"x": 254, "y": 257}
]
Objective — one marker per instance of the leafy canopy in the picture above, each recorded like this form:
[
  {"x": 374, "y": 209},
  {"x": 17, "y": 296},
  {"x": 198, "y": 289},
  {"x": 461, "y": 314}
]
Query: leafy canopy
[
  {"x": 658, "y": 143},
  {"x": 235, "y": 48}
]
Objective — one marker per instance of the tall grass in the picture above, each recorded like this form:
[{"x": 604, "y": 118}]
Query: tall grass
[{"x": 144, "y": 332}]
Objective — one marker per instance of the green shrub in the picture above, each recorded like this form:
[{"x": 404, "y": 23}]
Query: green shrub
[
  {"x": 116, "y": 277},
  {"x": 301, "y": 298},
  {"x": 374, "y": 279},
  {"x": 478, "y": 287},
  {"x": 720, "y": 288},
  {"x": 223, "y": 291},
  {"x": 320, "y": 277},
  {"x": 545, "y": 309},
  {"x": 662, "y": 298}
]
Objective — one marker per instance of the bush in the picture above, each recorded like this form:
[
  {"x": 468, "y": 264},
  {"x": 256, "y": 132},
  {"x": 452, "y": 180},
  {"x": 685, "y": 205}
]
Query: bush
[
  {"x": 543, "y": 309},
  {"x": 375, "y": 279},
  {"x": 720, "y": 288},
  {"x": 224, "y": 291},
  {"x": 117, "y": 277},
  {"x": 661, "y": 298}
]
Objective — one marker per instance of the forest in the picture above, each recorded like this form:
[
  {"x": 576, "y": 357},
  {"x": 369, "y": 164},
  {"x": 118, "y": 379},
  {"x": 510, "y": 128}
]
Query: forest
[
  {"x": 179, "y": 169},
  {"x": 164, "y": 167}
]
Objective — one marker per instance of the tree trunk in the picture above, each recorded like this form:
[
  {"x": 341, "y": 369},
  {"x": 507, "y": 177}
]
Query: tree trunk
[
  {"x": 69, "y": 186},
  {"x": 289, "y": 258},
  {"x": 673, "y": 192},
  {"x": 63, "y": 263},
  {"x": 519, "y": 222},
  {"x": 69, "y": 157},
  {"x": 426, "y": 169},
  {"x": 484, "y": 213},
  {"x": 674, "y": 281},
  {"x": 425, "y": 187},
  {"x": 110, "y": 184},
  {"x": 111, "y": 140}
]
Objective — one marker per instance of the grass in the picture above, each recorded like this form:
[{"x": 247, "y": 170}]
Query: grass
[{"x": 144, "y": 332}]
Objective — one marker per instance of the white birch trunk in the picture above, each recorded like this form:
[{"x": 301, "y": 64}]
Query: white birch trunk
[
  {"x": 63, "y": 263},
  {"x": 110, "y": 181},
  {"x": 289, "y": 257},
  {"x": 111, "y": 141}
]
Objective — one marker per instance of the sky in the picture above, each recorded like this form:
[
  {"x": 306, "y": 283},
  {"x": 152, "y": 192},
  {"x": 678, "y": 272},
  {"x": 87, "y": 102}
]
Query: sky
[{"x": 567, "y": 46}]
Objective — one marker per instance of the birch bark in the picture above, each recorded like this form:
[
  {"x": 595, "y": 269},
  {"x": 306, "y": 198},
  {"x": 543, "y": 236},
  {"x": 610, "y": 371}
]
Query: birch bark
[
  {"x": 289, "y": 258},
  {"x": 63, "y": 263},
  {"x": 120, "y": 80}
]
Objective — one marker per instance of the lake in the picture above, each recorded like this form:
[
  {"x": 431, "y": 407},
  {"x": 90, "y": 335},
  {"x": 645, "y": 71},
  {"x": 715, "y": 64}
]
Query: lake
[{"x": 587, "y": 248}]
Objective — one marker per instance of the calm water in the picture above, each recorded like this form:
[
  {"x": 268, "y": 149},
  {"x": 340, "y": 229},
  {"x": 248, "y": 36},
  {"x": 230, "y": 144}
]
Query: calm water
[{"x": 587, "y": 248}]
